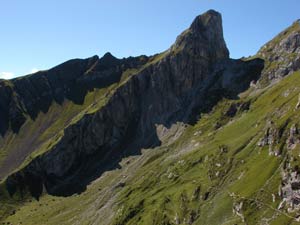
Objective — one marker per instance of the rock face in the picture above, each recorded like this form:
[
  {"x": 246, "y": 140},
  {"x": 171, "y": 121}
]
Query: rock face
[
  {"x": 293, "y": 138},
  {"x": 282, "y": 54},
  {"x": 204, "y": 38},
  {"x": 290, "y": 191},
  {"x": 191, "y": 77},
  {"x": 270, "y": 137}
]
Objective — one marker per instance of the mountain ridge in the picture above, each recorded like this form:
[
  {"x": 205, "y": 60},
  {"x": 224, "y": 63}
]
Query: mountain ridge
[
  {"x": 154, "y": 107},
  {"x": 120, "y": 116}
]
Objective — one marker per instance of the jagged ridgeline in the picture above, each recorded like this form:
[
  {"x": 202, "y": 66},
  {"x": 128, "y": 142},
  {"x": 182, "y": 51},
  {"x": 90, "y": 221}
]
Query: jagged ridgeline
[{"x": 187, "y": 136}]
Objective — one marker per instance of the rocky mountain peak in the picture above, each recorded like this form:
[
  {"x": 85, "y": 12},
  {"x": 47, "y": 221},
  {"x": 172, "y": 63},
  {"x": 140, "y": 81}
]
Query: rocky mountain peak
[
  {"x": 210, "y": 18},
  {"x": 108, "y": 57},
  {"x": 204, "y": 37}
]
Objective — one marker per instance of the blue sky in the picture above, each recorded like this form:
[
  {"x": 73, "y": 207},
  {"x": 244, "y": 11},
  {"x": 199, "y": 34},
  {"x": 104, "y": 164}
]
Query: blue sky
[{"x": 36, "y": 35}]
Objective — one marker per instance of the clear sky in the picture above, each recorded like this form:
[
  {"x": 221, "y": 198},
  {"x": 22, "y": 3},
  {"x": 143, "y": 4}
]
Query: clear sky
[{"x": 39, "y": 34}]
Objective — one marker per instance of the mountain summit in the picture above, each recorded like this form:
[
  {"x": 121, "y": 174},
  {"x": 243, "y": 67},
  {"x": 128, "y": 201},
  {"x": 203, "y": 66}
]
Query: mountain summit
[
  {"x": 187, "y": 136},
  {"x": 204, "y": 37}
]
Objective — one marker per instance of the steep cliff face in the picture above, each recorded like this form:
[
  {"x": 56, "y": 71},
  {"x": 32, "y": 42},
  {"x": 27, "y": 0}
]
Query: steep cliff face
[{"x": 190, "y": 77}]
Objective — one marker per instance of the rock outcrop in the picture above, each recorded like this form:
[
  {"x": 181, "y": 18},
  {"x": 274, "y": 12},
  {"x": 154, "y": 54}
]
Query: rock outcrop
[
  {"x": 282, "y": 54},
  {"x": 270, "y": 137},
  {"x": 290, "y": 191},
  {"x": 293, "y": 138}
]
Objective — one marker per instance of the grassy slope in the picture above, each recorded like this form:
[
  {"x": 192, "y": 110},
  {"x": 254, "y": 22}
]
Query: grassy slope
[{"x": 190, "y": 178}]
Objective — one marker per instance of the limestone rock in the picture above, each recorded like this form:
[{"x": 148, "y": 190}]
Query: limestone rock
[
  {"x": 282, "y": 54},
  {"x": 298, "y": 103},
  {"x": 291, "y": 190},
  {"x": 293, "y": 138},
  {"x": 270, "y": 136}
]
